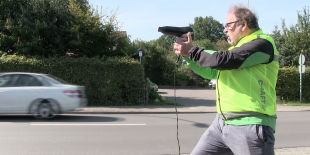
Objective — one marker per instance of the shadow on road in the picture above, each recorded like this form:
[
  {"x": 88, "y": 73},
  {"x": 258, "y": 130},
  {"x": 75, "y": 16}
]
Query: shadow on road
[
  {"x": 59, "y": 118},
  {"x": 201, "y": 125},
  {"x": 193, "y": 102}
]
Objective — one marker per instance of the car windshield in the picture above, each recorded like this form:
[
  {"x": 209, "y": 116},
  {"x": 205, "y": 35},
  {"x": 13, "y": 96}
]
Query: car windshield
[{"x": 55, "y": 80}]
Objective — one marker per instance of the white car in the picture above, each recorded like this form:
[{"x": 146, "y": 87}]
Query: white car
[
  {"x": 41, "y": 95},
  {"x": 212, "y": 83},
  {"x": 155, "y": 86}
]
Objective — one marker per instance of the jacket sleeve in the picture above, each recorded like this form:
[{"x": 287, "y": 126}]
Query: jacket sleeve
[
  {"x": 258, "y": 51},
  {"x": 206, "y": 73}
]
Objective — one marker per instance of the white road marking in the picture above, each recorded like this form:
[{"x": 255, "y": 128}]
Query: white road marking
[{"x": 88, "y": 124}]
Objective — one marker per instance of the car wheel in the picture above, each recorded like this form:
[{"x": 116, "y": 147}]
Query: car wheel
[
  {"x": 42, "y": 110},
  {"x": 45, "y": 110}
]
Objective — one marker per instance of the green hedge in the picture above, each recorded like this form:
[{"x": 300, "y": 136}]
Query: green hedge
[
  {"x": 288, "y": 84},
  {"x": 115, "y": 81},
  {"x": 121, "y": 81}
]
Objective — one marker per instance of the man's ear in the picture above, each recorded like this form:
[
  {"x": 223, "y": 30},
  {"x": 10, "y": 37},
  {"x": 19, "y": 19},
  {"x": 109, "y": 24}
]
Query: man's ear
[{"x": 244, "y": 25}]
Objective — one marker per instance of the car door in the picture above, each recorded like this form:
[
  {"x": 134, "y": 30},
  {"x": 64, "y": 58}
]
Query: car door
[
  {"x": 27, "y": 88},
  {"x": 6, "y": 83}
]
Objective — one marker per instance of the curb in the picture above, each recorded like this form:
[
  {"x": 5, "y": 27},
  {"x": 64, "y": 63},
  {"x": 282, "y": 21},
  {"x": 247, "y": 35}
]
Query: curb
[{"x": 167, "y": 110}]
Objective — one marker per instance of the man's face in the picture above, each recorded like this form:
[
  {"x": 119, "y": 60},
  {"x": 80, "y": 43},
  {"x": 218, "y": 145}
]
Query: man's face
[{"x": 233, "y": 28}]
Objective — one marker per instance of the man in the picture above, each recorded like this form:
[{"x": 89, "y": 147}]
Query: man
[{"x": 246, "y": 79}]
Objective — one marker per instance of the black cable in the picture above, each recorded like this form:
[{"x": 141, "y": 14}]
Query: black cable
[{"x": 175, "y": 104}]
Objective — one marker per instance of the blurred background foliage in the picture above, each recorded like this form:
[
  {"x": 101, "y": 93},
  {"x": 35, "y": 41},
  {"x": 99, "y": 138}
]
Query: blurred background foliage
[
  {"x": 115, "y": 81},
  {"x": 82, "y": 36}
]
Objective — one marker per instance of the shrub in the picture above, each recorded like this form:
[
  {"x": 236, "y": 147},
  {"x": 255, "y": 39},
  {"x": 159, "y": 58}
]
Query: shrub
[{"x": 115, "y": 81}]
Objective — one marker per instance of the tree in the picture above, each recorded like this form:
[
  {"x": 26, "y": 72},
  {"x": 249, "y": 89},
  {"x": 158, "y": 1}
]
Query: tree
[
  {"x": 154, "y": 61},
  {"x": 295, "y": 40},
  {"x": 304, "y": 31},
  {"x": 56, "y": 27},
  {"x": 166, "y": 42},
  {"x": 208, "y": 28},
  {"x": 278, "y": 37},
  {"x": 222, "y": 45},
  {"x": 205, "y": 43},
  {"x": 9, "y": 9}
]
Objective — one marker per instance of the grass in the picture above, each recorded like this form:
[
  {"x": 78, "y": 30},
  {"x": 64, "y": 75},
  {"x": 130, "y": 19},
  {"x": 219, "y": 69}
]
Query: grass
[
  {"x": 165, "y": 102},
  {"x": 162, "y": 103}
]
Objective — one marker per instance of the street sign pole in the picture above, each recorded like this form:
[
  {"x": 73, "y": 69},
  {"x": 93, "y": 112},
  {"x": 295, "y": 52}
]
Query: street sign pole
[
  {"x": 300, "y": 87},
  {"x": 302, "y": 69}
]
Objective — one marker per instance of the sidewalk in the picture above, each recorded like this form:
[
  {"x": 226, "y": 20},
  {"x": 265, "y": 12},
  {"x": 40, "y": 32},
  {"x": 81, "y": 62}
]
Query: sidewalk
[
  {"x": 168, "y": 109},
  {"x": 193, "y": 100}
]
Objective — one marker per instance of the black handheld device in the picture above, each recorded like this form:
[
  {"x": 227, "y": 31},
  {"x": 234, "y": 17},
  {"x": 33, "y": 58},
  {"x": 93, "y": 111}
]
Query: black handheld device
[{"x": 176, "y": 31}]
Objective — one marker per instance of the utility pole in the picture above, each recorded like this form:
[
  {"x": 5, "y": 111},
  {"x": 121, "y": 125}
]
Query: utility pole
[{"x": 248, "y": 4}]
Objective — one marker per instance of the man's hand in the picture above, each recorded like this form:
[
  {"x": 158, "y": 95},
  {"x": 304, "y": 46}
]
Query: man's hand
[{"x": 183, "y": 45}]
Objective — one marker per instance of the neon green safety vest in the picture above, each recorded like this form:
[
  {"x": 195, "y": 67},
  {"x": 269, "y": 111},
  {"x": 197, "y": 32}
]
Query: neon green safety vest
[{"x": 249, "y": 90}]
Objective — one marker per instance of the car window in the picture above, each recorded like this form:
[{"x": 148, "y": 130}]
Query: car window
[
  {"x": 44, "y": 80},
  {"x": 27, "y": 80},
  {"x": 34, "y": 82},
  {"x": 7, "y": 80},
  {"x": 55, "y": 80}
]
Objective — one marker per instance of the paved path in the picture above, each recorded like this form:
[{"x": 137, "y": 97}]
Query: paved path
[{"x": 193, "y": 100}]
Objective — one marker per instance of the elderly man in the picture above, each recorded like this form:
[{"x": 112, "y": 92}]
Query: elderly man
[{"x": 246, "y": 79}]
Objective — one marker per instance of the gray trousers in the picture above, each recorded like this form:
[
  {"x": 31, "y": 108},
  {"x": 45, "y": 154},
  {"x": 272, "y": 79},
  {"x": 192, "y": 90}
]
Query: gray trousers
[{"x": 225, "y": 139}]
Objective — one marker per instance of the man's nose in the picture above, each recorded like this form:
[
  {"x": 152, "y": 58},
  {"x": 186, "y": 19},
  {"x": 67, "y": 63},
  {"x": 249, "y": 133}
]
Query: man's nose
[{"x": 225, "y": 30}]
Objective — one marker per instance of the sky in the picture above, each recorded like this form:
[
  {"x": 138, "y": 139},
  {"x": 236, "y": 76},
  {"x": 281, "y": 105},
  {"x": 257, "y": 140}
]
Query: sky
[{"x": 141, "y": 18}]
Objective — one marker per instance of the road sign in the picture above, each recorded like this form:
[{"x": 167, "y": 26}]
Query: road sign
[
  {"x": 140, "y": 54},
  {"x": 302, "y": 59},
  {"x": 302, "y": 68}
]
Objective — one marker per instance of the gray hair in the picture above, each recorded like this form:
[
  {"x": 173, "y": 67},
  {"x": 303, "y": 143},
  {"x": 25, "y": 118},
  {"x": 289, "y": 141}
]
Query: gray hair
[{"x": 244, "y": 14}]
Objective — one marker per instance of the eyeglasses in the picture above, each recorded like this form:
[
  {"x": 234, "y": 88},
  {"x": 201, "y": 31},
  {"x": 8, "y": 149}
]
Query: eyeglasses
[{"x": 227, "y": 25}]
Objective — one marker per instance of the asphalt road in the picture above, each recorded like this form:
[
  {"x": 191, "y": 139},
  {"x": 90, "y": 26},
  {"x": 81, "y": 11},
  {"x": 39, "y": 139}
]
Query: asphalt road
[
  {"x": 139, "y": 131},
  {"x": 130, "y": 134}
]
